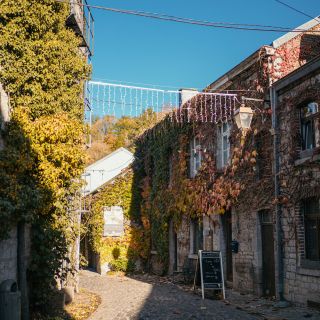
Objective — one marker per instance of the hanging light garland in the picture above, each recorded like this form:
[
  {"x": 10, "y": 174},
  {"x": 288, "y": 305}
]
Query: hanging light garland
[{"x": 186, "y": 105}]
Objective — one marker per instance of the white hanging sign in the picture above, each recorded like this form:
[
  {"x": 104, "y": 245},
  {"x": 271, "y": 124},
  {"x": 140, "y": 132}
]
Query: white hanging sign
[{"x": 113, "y": 222}]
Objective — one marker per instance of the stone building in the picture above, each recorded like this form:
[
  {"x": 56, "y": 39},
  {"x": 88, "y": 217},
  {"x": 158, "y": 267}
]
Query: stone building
[
  {"x": 113, "y": 233},
  {"x": 296, "y": 102},
  {"x": 235, "y": 198},
  {"x": 105, "y": 197},
  {"x": 15, "y": 250}
]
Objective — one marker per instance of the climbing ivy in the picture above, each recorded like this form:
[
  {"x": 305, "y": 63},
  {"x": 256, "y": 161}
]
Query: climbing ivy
[
  {"x": 120, "y": 253},
  {"x": 169, "y": 194},
  {"x": 43, "y": 71}
]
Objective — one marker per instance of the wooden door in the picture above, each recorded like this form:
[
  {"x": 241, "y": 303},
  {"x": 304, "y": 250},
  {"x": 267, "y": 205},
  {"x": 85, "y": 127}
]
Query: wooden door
[
  {"x": 173, "y": 249},
  {"x": 175, "y": 257},
  {"x": 228, "y": 240},
  {"x": 268, "y": 265}
]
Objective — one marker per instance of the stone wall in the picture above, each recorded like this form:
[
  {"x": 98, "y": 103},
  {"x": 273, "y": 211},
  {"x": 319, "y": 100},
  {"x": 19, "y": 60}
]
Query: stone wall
[
  {"x": 9, "y": 254},
  {"x": 247, "y": 263},
  {"x": 183, "y": 243},
  {"x": 302, "y": 279},
  {"x": 301, "y": 283},
  {"x": 292, "y": 54},
  {"x": 8, "y": 257}
]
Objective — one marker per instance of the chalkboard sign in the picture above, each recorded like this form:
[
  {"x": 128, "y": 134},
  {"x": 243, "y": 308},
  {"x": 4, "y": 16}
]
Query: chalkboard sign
[{"x": 210, "y": 265}]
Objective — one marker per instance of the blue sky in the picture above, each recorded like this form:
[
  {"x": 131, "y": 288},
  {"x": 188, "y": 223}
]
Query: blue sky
[{"x": 141, "y": 50}]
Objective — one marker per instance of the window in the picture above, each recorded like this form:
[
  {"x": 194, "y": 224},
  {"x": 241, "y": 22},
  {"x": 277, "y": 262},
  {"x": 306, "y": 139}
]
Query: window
[
  {"x": 223, "y": 145},
  {"x": 113, "y": 221},
  {"x": 309, "y": 126},
  {"x": 311, "y": 212},
  {"x": 196, "y": 236},
  {"x": 195, "y": 156}
]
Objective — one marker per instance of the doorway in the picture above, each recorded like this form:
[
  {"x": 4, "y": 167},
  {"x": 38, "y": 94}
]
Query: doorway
[
  {"x": 173, "y": 249},
  {"x": 227, "y": 225},
  {"x": 268, "y": 264}
]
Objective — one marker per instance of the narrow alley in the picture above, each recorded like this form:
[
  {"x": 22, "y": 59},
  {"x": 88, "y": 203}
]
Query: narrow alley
[
  {"x": 146, "y": 297},
  {"x": 134, "y": 298}
]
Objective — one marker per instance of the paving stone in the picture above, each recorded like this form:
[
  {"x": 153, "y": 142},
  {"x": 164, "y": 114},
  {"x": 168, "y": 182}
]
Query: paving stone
[
  {"x": 154, "y": 298},
  {"x": 129, "y": 298}
]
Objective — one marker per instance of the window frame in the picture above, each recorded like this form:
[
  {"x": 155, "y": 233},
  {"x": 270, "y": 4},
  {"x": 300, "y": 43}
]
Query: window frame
[
  {"x": 222, "y": 134},
  {"x": 116, "y": 213},
  {"x": 195, "y": 156},
  {"x": 196, "y": 236},
  {"x": 308, "y": 221},
  {"x": 313, "y": 120}
]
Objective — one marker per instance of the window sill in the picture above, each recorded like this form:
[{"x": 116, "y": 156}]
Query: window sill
[
  {"x": 308, "y": 156},
  {"x": 193, "y": 256},
  {"x": 221, "y": 170},
  {"x": 309, "y": 268}
]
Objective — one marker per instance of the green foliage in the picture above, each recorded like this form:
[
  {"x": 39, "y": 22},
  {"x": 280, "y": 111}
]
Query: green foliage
[
  {"x": 168, "y": 193},
  {"x": 44, "y": 272},
  {"x": 122, "y": 264},
  {"x": 120, "y": 252},
  {"x": 40, "y": 61},
  {"x": 161, "y": 203},
  {"x": 83, "y": 261},
  {"x": 118, "y": 193},
  {"x": 124, "y": 132},
  {"x": 43, "y": 72}
]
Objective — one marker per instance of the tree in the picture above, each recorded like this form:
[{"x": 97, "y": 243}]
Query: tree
[{"x": 110, "y": 133}]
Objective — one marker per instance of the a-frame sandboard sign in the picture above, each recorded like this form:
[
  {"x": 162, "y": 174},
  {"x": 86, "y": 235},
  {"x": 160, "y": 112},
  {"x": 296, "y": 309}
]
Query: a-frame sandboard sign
[{"x": 209, "y": 263}]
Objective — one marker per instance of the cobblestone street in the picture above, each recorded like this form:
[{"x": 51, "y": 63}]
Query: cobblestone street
[{"x": 140, "y": 298}]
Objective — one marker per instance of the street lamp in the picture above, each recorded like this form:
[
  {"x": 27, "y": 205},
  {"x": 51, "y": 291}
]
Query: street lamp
[{"x": 243, "y": 117}]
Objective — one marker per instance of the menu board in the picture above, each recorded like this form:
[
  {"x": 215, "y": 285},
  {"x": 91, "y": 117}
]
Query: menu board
[{"x": 211, "y": 271}]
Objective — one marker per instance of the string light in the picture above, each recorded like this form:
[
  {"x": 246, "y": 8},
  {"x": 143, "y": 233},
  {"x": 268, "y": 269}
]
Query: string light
[{"x": 202, "y": 106}]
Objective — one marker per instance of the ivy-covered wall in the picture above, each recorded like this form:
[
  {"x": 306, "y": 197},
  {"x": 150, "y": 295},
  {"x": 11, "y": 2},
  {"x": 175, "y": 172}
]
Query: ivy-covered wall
[
  {"x": 245, "y": 185},
  {"x": 169, "y": 194},
  {"x": 43, "y": 72},
  {"x": 131, "y": 250}
]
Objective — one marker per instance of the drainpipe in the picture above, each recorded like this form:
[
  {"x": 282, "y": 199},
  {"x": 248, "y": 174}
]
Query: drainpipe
[{"x": 279, "y": 234}]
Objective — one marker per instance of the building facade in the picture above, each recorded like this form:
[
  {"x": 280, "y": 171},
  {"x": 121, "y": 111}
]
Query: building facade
[
  {"x": 209, "y": 185},
  {"x": 296, "y": 100},
  {"x": 113, "y": 232}
]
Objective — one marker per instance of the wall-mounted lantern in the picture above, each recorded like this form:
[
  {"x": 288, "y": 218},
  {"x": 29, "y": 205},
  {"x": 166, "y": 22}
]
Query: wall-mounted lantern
[{"x": 243, "y": 117}]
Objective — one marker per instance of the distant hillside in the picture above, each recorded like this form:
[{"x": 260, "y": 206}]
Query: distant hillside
[{"x": 110, "y": 133}]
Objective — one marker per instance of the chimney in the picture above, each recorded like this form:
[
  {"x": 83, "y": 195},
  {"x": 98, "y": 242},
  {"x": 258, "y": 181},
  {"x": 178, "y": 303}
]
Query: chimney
[{"x": 185, "y": 95}]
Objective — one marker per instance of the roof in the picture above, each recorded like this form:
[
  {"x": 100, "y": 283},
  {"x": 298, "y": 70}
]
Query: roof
[
  {"x": 290, "y": 35},
  {"x": 106, "y": 169},
  {"x": 250, "y": 60},
  {"x": 307, "y": 69}
]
